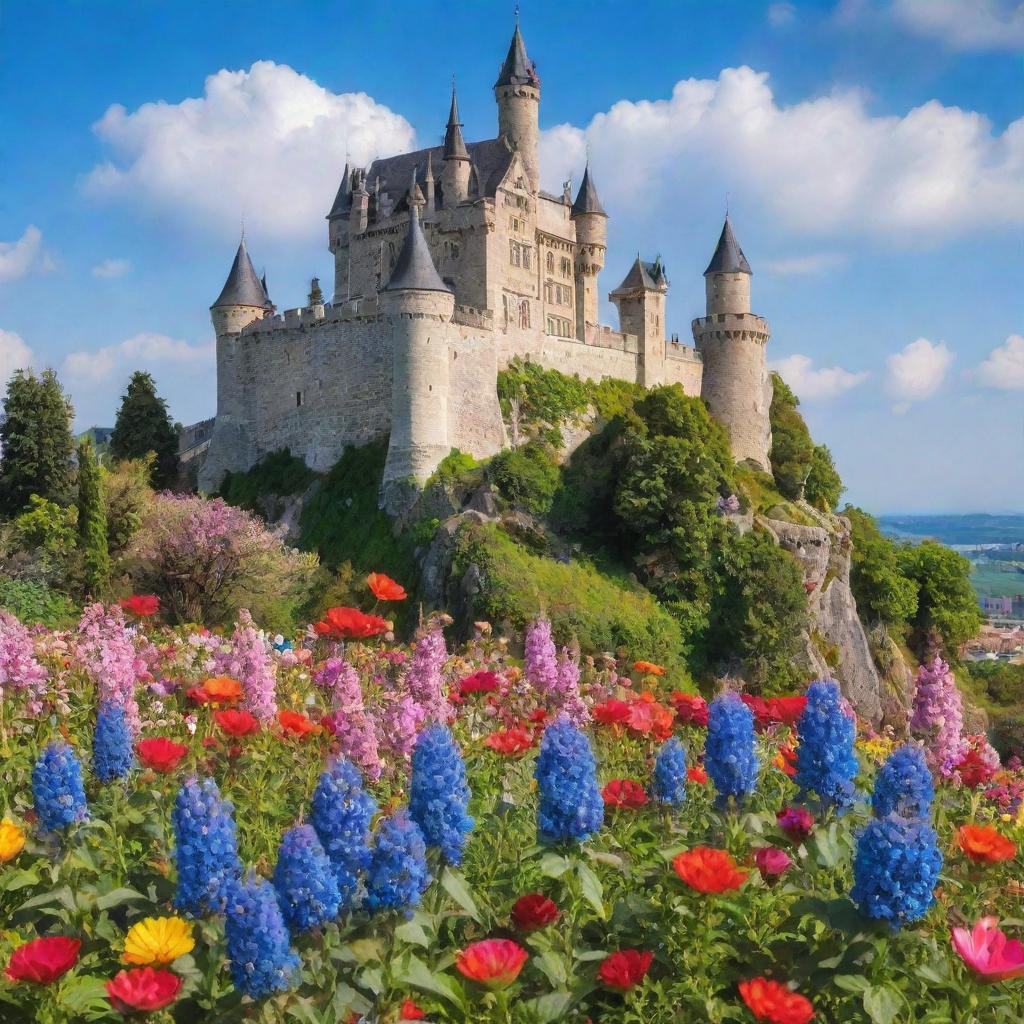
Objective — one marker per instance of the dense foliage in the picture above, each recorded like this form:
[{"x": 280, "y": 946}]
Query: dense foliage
[
  {"x": 92, "y": 523},
  {"x": 792, "y": 450},
  {"x": 280, "y": 474},
  {"x": 144, "y": 427},
  {"x": 824, "y": 486},
  {"x": 883, "y": 592},
  {"x": 527, "y": 476}
]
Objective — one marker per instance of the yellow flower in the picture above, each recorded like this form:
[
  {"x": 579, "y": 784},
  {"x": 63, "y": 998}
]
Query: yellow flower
[
  {"x": 12, "y": 839},
  {"x": 158, "y": 940}
]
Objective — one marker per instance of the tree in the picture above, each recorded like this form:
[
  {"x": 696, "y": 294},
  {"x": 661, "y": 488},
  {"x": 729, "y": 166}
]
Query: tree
[
  {"x": 143, "y": 425},
  {"x": 824, "y": 485},
  {"x": 92, "y": 522},
  {"x": 36, "y": 441},
  {"x": 883, "y": 592},
  {"x": 792, "y": 447}
]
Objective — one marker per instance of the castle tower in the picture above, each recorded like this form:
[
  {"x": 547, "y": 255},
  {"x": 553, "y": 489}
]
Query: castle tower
[
  {"x": 338, "y": 234},
  {"x": 591, "y": 244},
  {"x": 242, "y": 299},
  {"x": 428, "y": 181},
  {"x": 732, "y": 342},
  {"x": 455, "y": 176},
  {"x": 419, "y": 305},
  {"x": 640, "y": 300},
  {"x": 517, "y": 91}
]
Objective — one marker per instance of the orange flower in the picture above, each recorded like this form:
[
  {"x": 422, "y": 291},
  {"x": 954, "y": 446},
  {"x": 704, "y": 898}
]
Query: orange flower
[
  {"x": 785, "y": 760},
  {"x": 385, "y": 588},
  {"x": 509, "y": 741},
  {"x": 984, "y": 845},
  {"x": 495, "y": 963},
  {"x": 648, "y": 668},
  {"x": 296, "y": 724},
  {"x": 350, "y": 623},
  {"x": 222, "y": 690},
  {"x": 708, "y": 870},
  {"x": 773, "y": 1002}
]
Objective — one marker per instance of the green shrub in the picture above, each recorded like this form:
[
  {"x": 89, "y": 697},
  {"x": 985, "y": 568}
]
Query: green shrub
[
  {"x": 128, "y": 495},
  {"x": 611, "y": 397},
  {"x": 527, "y": 477},
  {"x": 37, "y": 604},
  {"x": 455, "y": 468},
  {"x": 824, "y": 485},
  {"x": 531, "y": 396},
  {"x": 792, "y": 447},
  {"x": 46, "y": 527},
  {"x": 279, "y": 473},
  {"x": 883, "y": 592}
]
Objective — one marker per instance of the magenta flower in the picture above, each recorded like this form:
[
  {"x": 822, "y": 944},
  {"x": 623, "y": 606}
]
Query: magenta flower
[
  {"x": 772, "y": 862},
  {"x": 988, "y": 952},
  {"x": 796, "y": 822}
]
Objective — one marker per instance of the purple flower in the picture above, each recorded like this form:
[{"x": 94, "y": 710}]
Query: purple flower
[
  {"x": 938, "y": 717},
  {"x": 566, "y": 693},
  {"x": 424, "y": 681},
  {"x": 540, "y": 662},
  {"x": 105, "y": 647},
  {"x": 19, "y": 669},
  {"x": 251, "y": 662}
]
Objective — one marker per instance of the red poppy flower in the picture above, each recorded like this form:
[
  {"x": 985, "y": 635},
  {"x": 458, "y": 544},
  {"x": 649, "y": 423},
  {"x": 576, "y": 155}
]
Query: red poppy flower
[
  {"x": 773, "y": 1002},
  {"x": 237, "y": 723},
  {"x": 42, "y": 961},
  {"x": 534, "y": 910},
  {"x": 984, "y": 845},
  {"x": 479, "y": 682},
  {"x": 709, "y": 870},
  {"x": 385, "y": 588},
  {"x": 143, "y": 990},
  {"x": 160, "y": 753},
  {"x": 796, "y": 822},
  {"x": 350, "y": 623},
  {"x": 141, "y": 605},
  {"x": 410, "y": 1011},
  {"x": 537, "y": 715},
  {"x": 495, "y": 963},
  {"x": 690, "y": 710},
  {"x": 624, "y": 793},
  {"x": 297, "y": 724},
  {"x": 697, "y": 774},
  {"x": 648, "y": 668},
  {"x": 624, "y": 969},
  {"x": 509, "y": 741},
  {"x": 612, "y": 712}
]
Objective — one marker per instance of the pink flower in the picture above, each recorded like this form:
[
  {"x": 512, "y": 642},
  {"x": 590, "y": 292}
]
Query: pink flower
[
  {"x": 988, "y": 952},
  {"x": 19, "y": 669},
  {"x": 938, "y": 717},
  {"x": 424, "y": 682},
  {"x": 540, "y": 660},
  {"x": 772, "y": 862},
  {"x": 796, "y": 822},
  {"x": 250, "y": 660},
  {"x": 105, "y": 648}
]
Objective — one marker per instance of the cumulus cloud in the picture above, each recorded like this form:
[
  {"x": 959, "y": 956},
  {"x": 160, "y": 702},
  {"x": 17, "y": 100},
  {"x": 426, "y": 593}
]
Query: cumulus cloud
[
  {"x": 111, "y": 268},
  {"x": 917, "y": 371},
  {"x": 24, "y": 256},
  {"x": 805, "y": 266},
  {"x": 14, "y": 355},
  {"x": 965, "y": 24},
  {"x": 1004, "y": 367},
  {"x": 153, "y": 352},
  {"x": 816, "y": 384},
  {"x": 266, "y": 146},
  {"x": 781, "y": 15},
  {"x": 823, "y": 166}
]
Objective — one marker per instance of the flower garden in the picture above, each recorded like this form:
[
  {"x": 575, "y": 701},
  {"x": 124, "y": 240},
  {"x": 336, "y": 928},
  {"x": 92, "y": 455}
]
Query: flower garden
[{"x": 342, "y": 827}]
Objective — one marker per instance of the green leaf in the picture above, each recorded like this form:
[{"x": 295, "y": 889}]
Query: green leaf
[
  {"x": 454, "y": 883},
  {"x": 116, "y": 897},
  {"x": 13, "y": 879},
  {"x": 934, "y": 974},
  {"x": 554, "y": 866},
  {"x": 83, "y": 993},
  {"x": 553, "y": 967},
  {"x": 419, "y": 975},
  {"x": 882, "y": 1003},
  {"x": 851, "y": 982},
  {"x": 550, "y": 1007},
  {"x": 413, "y": 933},
  {"x": 593, "y": 893}
]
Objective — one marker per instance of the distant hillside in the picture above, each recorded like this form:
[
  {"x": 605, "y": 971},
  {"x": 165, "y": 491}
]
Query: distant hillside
[{"x": 978, "y": 528}]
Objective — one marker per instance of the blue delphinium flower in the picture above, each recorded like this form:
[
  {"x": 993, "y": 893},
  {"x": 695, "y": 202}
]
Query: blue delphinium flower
[
  {"x": 669, "y": 783},
  {"x": 57, "y": 788},
  {"x": 903, "y": 785},
  {"x": 397, "y": 874},
  {"x": 260, "y": 955},
  {"x": 304, "y": 879},
  {"x": 111, "y": 743},
  {"x": 340, "y": 813},
  {"x": 825, "y": 762},
  {"x": 438, "y": 793},
  {"x": 570, "y": 807},
  {"x": 729, "y": 756},
  {"x": 895, "y": 869},
  {"x": 205, "y": 848}
]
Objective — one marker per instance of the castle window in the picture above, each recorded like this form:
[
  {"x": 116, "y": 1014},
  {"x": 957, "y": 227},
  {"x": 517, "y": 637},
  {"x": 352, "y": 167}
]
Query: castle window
[
  {"x": 566, "y": 267},
  {"x": 520, "y": 182},
  {"x": 453, "y": 250},
  {"x": 526, "y": 256},
  {"x": 504, "y": 308},
  {"x": 298, "y": 399},
  {"x": 515, "y": 254},
  {"x": 514, "y": 224},
  {"x": 550, "y": 262},
  {"x": 524, "y": 314},
  {"x": 547, "y": 293}
]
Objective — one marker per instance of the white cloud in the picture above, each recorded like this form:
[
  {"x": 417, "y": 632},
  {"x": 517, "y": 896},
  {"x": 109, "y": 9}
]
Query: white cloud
[
  {"x": 823, "y": 166},
  {"x": 1004, "y": 367},
  {"x": 266, "y": 146},
  {"x": 917, "y": 371},
  {"x": 153, "y": 352},
  {"x": 965, "y": 24},
  {"x": 24, "y": 256},
  {"x": 781, "y": 15},
  {"x": 805, "y": 266},
  {"x": 812, "y": 384},
  {"x": 14, "y": 355},
  {"x": 111, "y": 268}
]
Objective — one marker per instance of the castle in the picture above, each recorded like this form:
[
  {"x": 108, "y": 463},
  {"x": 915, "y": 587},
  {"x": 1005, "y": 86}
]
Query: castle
[{"x": 449, "y": 262}]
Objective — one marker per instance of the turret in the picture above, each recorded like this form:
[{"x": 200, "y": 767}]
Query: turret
[
  {"x": 517, "y": 92},
  {"x": 338, "y": 233},
  {"x": 591, "y": 244},
  {"x": 732, "y": 342},
  {"x": 455, "y": 176},
  {"x": 428, "y": 183},
  {"x": 359, "y": 215},
  {"x": 243, "y": 298},
  {"x": 640, "y": 300},
  {"x": 316, "y": 296},
  {"x": 419, "y": 305}
]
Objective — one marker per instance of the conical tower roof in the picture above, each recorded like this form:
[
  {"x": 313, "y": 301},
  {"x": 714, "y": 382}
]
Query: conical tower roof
[
  {"x": 728, "y": 258},
  {"x": 415, "y": 268},
  {"x": 518, "y": 69},
  {"x": 454, "y": 143},
  {"x": 343, "y": 200},
  {"x": 243, "y": 287},
  {"x": 586, "y": 198}
]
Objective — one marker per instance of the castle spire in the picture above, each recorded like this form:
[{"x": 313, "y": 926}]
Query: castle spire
[
  {"x": 586, "y": 198},
  {"x": 414, "y": 269},
  {"x": 728, "y": 257},
  {"x": 243, "y": 287},
  {"x": 454, "y": 144},
  {"x": 343, "y": 200},
  {"x": 518, "y": 69}
]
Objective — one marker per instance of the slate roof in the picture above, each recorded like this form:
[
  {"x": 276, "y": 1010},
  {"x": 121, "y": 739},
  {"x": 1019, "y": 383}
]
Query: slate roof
[
  {"x": 343, "y": 200},
  {"x": 728, "y": 257},
  {"x": 586, "y": 198},
  {"x": 243, "y": 286},
  {"x": 644, "y": 275},
  {"x": 415, "y": 268},
  {"x": 518, "y": 69},
  {"x": 454, "y": 143}
]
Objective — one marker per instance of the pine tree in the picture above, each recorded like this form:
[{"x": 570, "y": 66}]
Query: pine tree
[
  {"x": 143, "y": 425},
  {"x": 36, "y": 441},
  {"x": 92, "y": 521}
]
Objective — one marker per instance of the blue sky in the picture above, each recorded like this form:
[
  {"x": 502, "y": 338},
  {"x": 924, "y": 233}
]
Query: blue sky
[{"x": 872, "y": 150}]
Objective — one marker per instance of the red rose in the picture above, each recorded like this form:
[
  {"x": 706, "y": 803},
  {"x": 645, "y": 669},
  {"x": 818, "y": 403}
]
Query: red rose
[
  {"x": 624, "y": 969},
  {"x": 141, "y": 605},
  {"x": 350, "y": 623},
  {"x": 160, "y": 753},
  {"x": 237, "y": 723},
  {"x": 410, "y": 1011},
  {"x": 479, "y": 682},
  {"x": 796, "y": 822},
  {"x": 143, "y": 990},
  {"x": 690, "y": 710},
  {"x": 624, "y": 793},
  {"x": 534, "y": 910},
  {"x": 709, "y": 870},
  {"x": 786, "y": 709},
  {"x": 42, "y": 961},
  {"x": 759, "y": 706}
]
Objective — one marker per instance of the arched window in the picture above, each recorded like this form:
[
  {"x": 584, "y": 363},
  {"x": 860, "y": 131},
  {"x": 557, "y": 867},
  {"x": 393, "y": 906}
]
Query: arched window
[
  {"x": 524, "y": 314},
  {"x": 504, "y": 308},
  {"x": 551, "y": 262}
]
